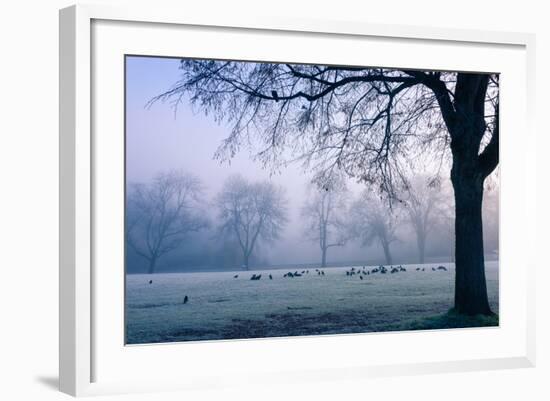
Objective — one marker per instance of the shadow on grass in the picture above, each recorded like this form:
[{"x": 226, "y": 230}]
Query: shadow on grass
[
  {"x": 449, "y": 320},
  {"x": 295, "y": 324}
]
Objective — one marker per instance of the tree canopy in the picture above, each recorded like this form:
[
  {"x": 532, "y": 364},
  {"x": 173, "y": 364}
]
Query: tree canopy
[{"x": 368, "y": 123}]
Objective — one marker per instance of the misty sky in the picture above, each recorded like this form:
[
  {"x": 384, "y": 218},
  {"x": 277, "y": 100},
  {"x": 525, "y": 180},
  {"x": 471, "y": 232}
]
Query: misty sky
[{"x": 159, "y": 140}]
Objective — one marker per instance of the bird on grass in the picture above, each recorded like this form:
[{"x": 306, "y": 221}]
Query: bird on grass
[
  {"x": 270, "y": 277},
  {"x": 150, "y": 281},
  {"x": 186, "y": 299},
  {"x": 236, "y": 276}
]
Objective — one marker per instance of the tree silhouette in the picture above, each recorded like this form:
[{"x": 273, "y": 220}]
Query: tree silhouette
[
  {"x": 324, "y": 213},
  {"x": 251, "y": 212},
  {"x": 366, "y": 123},
  {"x": 371, "y": 221},
  {"x": 160, "y": 215},
  {"x": 422, "y": 204}
]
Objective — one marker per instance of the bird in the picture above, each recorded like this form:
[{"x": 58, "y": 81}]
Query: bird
[
  {"x": 270, "y": 277},
  {"x": 185, "y": 299},
  {"x": 235, "y": 276},
  {"x": 361, "y": 277},
  {"x": 150, "y": 281},
  {"x": 275, "y": 95}
]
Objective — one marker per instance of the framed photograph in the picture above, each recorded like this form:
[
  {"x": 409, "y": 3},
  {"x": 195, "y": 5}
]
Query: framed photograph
[{"x": 292, "y": 200}]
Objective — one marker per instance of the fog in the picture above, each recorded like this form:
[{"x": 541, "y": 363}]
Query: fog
[{"x": 158, "y": 140}]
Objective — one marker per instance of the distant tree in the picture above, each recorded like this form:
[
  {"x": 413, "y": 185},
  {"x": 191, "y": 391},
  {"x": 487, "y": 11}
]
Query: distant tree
[
  {"x": 251, "y": 212},
  {"x": 325, "y": 214},
  {"x": 365, "y": 122},
  {"x": 162, "y": 213},
  {"x": 491, "y": 212},
  {"x": 422, "y": 205},
  {"x": 371, "y": 221}
]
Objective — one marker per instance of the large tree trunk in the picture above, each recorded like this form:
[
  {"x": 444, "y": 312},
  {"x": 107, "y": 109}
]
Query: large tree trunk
[
  {"x": 470, "y": 284},
  {"x": 467, "y": 125},
  {"x": 246, "y": 258}
]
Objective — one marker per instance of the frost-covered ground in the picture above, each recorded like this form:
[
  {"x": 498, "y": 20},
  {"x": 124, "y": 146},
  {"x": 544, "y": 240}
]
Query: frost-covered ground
[{"x": 223, "y": 307}]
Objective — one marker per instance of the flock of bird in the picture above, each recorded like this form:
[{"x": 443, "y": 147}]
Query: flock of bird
[{"x": 361, "y": 272}]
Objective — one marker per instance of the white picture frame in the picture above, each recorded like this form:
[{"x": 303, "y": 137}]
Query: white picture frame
[{"x": 82, "y": 344}]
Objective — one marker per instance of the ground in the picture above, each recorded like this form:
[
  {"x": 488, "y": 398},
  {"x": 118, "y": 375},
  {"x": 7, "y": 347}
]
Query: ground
[{"x": 223, "y": 307}]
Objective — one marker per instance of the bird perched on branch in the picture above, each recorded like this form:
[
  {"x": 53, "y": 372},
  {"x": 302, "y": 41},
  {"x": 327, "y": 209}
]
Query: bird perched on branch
[{"x": 275, "y": 95}]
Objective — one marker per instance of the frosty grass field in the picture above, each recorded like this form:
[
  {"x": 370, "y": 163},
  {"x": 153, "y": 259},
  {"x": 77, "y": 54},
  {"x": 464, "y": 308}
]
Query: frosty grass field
[{"x": 223, "y": 307}]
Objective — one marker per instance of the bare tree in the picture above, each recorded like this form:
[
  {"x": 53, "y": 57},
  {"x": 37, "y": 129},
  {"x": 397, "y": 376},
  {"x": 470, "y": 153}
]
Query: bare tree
[
  {"x": 371, "y": 221},
  {"x": 366, "y": 122},
  {"x": 422, "y": 205},
  {"x": 252, "y": 212},
  {"x": 160, "y": 215},
  {"x": 491, "y": 211},
  {"x": 325, "y": 215}
]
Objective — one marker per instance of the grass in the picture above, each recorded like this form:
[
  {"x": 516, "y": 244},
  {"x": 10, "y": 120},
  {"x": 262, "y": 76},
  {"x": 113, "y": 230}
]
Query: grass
[
  {"x": 223, "y": 307},
  {"x": 449, "y": 320}
]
